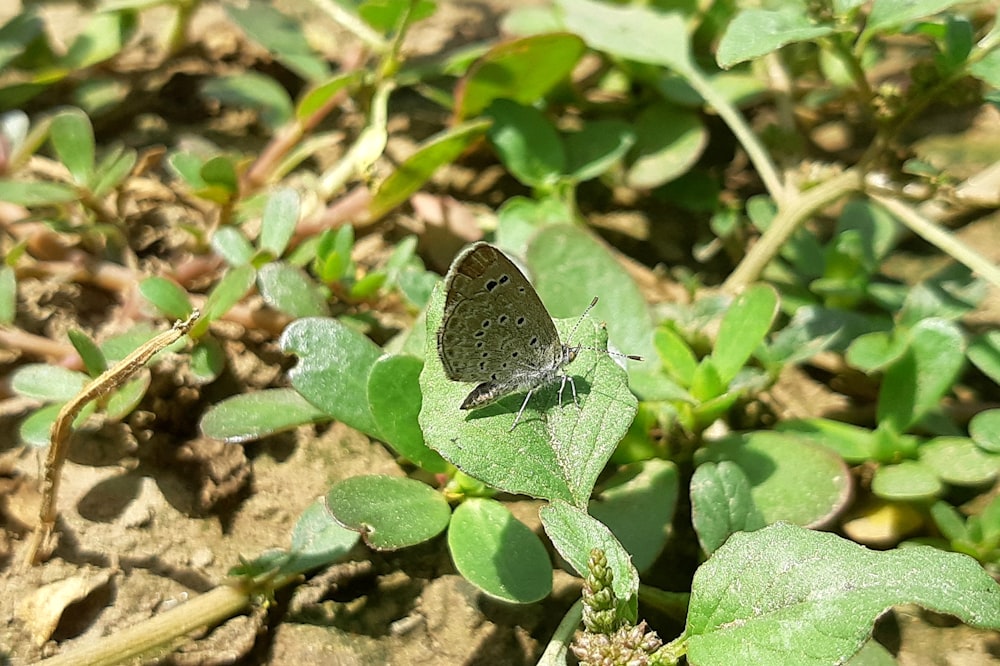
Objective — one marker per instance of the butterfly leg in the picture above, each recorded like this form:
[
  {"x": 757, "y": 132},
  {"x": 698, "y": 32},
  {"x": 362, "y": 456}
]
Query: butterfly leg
[
  {"x": 572, "y": 385},
  {"x": 521, "y": 411}
]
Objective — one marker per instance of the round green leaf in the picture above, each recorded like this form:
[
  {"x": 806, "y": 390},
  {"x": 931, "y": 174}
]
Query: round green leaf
[
  {"x": 332, "y": 373},
  {"x": 594, "y": 149},
  {"x": 958, "y": 461},
  {"x": 290, "y": 290},
  {"x": 389, "y": 512},
  {"x": 791, "y": 479},
  {"x": 394, "y": 399},
  {"x": 907, "y": 481},
  {"x": 637, "y": 504},
  {"x": 522, "y": 70},
  {"x": 669, "y": 140},
  {"x": 984, "y": 428},
  {"x": 498, "y": 554},
  {"x": 527, "y": 143},
  {"x": 249, "y": 416}
]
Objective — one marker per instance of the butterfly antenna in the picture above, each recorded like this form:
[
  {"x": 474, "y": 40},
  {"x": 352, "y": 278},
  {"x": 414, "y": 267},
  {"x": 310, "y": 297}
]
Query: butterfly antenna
[
  {"x": 582, "y": 316},
  {"x": 590, "y": 307}
]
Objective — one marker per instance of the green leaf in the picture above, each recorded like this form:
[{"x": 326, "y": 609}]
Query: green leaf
[
  {"x": 908, "y": 481},
  {"x": 743, "y": 329},
  {"x": 123, "y": 400},
  {"x": 888, "y": 14},
  {"x": 527, "y": 143},
  {"x": 219, "y": 175},
  {"x": 668, "y": 141},
  {"x": 570, "y": 267},
  {"x": 594, "y": 149},
  {"x": 230, "y": 244},
  {"x": 637, "y": 504},
  {"x": 36, "y": 194},
  {"x": 394, "y": 399},
  {"x": 499, "y": 554},
  {"x": 332, "y": 373},
  {"x": 958, "y": 461},
  {"x": 49, "y": 383},
  {"x": 756, "y": 32},
  {"x": 555, "y": 451},
  {"x": 368, "y": 286},
  {"x": 103, "y": 37},
  {"x": 255, "y": 91},
  {"x": 638, "y": 33},
  {"x": 575, "y": 533},
  {"x": 675, "y": 355},
  {"x": 290, "y": 290},
  {"x": 72, "y": 138},
  {"x": 874, "y": 351},
  {"x": 282, "y": 36},
  {"x": 207, "y": 360},
  {"x": 443, "y": 148},
  {"x": 987, "y": 69},
  {"x": 227, "y": 292},
  {"x": 984, "y": 428},
  {"x": 8, "y": 295},
  {"x": 722, "y": 504},
  {"x": 90, "y": 353},
  {"x": 521, "y": 70},
  {"x": 388, "y": 15},
  {"x": 318, "y": 97},
  {"x": 852, "y": 443},
  {"x": 984, "y": 353},
  {"x": 113, "y": 168},
  {"x": 247, "y": 417},
  {"x": 169, "y": 297},
  {"x": 915, "y": 382},
  {"x": 389, "y": 512},
  {"x": 791, "y": 480},
  {"x": 18, "y": 33},
  {"x": 949, "y": 521},
  {"x": 318, "y": 540},
  {"x": 281, "y": 213},
  {"x": 808, "y": 598}
]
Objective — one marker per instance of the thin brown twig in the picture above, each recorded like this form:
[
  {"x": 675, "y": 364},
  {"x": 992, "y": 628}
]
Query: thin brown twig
[{"x": 109, "y": 380}]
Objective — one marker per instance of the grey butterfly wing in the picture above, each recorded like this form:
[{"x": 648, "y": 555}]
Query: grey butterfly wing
[{"x": 495, "y": 329}]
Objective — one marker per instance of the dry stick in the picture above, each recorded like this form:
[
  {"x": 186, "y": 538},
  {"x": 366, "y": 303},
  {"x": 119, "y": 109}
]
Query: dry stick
[{"x": 109, "y": 380}]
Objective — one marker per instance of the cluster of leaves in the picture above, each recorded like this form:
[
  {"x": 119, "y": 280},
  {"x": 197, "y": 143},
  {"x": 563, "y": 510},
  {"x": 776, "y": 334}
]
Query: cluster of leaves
[{"x": 749, "y": 492}]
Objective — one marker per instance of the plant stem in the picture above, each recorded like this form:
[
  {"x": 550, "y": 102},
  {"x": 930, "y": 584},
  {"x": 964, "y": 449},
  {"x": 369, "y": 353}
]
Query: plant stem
[
  {"x": 935, "y": 235},
  {"x": 791, "y": 213}
]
